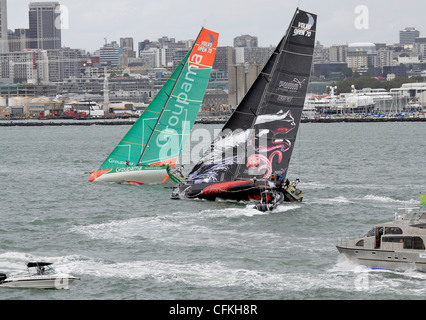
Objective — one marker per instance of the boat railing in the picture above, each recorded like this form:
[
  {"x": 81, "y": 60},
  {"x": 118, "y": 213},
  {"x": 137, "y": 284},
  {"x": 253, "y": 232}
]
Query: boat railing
[
  {"x": 412, "y": 216},
  {"x": 348, "y": 237}
]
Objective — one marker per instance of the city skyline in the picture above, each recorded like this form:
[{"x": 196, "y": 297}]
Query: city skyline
[{"x": 86, "y": 26}]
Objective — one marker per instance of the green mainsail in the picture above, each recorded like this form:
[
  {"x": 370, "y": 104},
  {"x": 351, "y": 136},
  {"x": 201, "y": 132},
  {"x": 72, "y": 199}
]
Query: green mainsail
[{"x": 159, "y": 135}]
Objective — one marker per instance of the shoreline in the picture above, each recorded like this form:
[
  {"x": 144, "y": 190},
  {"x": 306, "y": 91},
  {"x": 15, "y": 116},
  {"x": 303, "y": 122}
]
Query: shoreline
[{"x": 101, "y": 122}]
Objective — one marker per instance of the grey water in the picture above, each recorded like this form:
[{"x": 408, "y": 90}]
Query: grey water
[{"x": 133, "y": 243}]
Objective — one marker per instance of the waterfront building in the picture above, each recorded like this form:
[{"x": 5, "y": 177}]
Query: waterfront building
[
  {"x": 37, "y": 66},
  {"x": 321, "y": 53},
  {"x": 127, "y": 45},
  {"x": 149, "y": 58},
  {"x": 330, "y": 70},
  {"x": 18, "y": 40},
  {"x": 245, "y": 41},
  {"x": 4, "y": 40},
  {"x": 110, "y": 54},
  {"x": 257, "y": 55},
  {"x": 224, "y": 58},
  {"x": 142, "y": 45},
  {"x": 165, "y": 52},
  {"x": 408, "y": 36},
  {"x": 45, "y": 28},
  {"x": 384, "y": 57},
  {"x": 120, "y": 88},
  {"x": 395, "y": 71},
  {"x": 28, "y": 66},
  {"x": 27, "y": 90},
  {"x": 338, "y": 53},
  {"x": 420, "y": 46},
  {"x": 416, "y": 91},
  {"x": 64, "y": 63},
  {"x": 361, "y": 56},
  {"x": 240, "y": 78}
]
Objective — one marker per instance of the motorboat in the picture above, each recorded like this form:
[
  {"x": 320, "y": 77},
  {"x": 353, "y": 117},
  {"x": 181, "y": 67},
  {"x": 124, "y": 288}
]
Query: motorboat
[
  {"x": 398, "y": 245},
  {"x": 270, "y": 199},
  {"x": 291, "y": 192},
  {"x": 41, "y": 275}
]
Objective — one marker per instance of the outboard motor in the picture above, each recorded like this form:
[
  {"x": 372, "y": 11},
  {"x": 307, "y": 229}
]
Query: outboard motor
[
  {"x": 261, "y": 207},
  {"x": 2, "y": 277}
]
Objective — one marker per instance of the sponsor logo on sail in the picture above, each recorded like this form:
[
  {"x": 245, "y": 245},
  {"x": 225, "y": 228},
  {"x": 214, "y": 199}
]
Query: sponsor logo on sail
[
  {"x": 207, "y": 46},
  {"x": 304, "y": 29},
  {"x": 293, "y": 86},
  {"x": 284, "y": 99},
  {"x": 196, "y": 61}
]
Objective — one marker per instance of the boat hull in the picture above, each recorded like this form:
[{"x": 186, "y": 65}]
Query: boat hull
[
  {"x": 39, "y": 282},
  {"x": 144, "y": 175},
  {"x": 231, "y": 190},
  {"x": 385, "y": 259},
  {"x": 264, "y": 206}
]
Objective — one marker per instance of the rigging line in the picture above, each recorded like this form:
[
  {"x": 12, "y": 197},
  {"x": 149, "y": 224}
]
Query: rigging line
[
  {"x": 299, "y": 142},
  {"x": 184, "y": 100},
  {"x": 152, "y": 111},
  {"x": 241, "y": 112},
  {"x": 299, "y": 54},
  {"x": 171, "y": 133},
  {"x": 137, "y": 144}
]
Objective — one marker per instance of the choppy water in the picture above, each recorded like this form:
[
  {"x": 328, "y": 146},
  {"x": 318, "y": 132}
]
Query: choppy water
[{"x": 131, "y": 242}]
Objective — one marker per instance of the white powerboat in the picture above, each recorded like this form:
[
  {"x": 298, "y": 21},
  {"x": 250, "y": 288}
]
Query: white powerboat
[
  {"x": 40, "y": 275},
  {"x": 396, "y": 245}
]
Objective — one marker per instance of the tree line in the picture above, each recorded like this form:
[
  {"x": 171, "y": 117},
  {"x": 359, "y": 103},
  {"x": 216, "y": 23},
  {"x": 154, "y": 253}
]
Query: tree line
[{"x": 345, "y": 86}]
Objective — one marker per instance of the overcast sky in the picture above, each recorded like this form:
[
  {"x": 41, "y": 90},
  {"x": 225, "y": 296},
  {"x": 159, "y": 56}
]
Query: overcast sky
[{"x": 339, "y": 21}]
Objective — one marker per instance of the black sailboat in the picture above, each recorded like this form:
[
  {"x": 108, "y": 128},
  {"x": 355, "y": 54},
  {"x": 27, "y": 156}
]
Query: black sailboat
[{"x": 252, "y": 153}]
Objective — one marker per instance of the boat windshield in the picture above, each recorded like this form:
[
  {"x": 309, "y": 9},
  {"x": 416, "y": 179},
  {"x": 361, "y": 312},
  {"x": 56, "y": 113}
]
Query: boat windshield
[
  {"x": 370, "y": 233},
  {"x": 414, "y": 216},
  {"x": 45, "y": 270}
]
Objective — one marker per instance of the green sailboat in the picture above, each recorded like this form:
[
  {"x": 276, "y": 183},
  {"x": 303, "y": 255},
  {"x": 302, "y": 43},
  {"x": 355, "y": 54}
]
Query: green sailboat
[{"x": 153, "y": 145}]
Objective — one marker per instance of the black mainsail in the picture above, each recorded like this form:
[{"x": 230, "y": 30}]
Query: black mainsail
[{"x": 258, "y": 140}]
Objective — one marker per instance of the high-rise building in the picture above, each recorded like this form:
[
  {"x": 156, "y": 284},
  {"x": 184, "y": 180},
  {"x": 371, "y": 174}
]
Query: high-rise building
[
  {"x": 18, "y": 40},
  {"x": 408, "y": 36},
  {"x": 257, "y": 55},
  {"x": 45, "y": 25},
  {"x": 127, "y": 44},
  {"x": 245, "y": 41},
  {"x": 4, "y": 43},
  {"x": 241, "y": 77},
  {"x": 338, "y": 53},
  {"x": 110, "y": 54},
  {"x": 224, "y": 58}
]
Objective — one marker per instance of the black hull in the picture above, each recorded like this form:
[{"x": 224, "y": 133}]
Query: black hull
[{"x": 232, "y": 190}]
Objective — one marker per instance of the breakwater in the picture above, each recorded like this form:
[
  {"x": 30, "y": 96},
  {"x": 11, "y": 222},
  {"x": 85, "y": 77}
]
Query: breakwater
[{"x": 40, "y": 123}]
